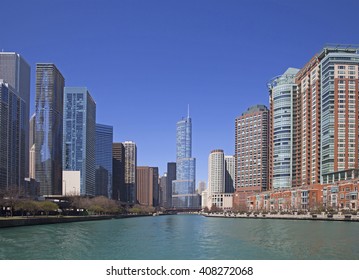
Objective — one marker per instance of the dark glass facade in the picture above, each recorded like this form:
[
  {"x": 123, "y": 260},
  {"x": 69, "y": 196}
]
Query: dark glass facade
[
  {"x": 12, "y": 137},
  {"x": 119, "y": 190},
  {"x": 49, "y": 128},
  {"x": 171, "y": 176},
  {"x": 103, "y": 156}
]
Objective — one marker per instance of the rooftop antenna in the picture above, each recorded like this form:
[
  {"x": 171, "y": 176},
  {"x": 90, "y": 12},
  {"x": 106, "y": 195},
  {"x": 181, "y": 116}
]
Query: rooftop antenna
[{"x": 188, "y": 112}]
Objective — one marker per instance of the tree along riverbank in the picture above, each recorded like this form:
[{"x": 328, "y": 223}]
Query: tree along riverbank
[
  {"x": 42, "y": 220},
  {"x": 308, "y": 216}
]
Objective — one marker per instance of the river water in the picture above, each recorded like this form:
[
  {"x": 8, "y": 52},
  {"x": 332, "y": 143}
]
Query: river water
[{"x": 182, "y": 237}]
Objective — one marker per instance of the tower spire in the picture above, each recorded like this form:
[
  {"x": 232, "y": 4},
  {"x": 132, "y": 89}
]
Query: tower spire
[{"x": 188, "y": 111}]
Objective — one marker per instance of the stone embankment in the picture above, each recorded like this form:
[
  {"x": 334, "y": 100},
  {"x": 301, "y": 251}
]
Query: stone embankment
[
  {"x": 30, "y": 221},
  {"x": 308, "y": 216}
]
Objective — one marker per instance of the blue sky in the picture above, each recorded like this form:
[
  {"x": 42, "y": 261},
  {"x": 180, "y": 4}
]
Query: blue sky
[{"x": 143, "y": 61}]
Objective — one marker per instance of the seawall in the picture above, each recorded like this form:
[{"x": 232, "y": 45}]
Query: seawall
[
  {"x": 30, "y": 221},
  {"x": 317, "y": 217}
]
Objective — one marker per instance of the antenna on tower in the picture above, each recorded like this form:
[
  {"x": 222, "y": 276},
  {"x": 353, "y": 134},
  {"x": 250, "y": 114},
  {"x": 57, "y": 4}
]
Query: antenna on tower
[{"x": 188, "y": 111}]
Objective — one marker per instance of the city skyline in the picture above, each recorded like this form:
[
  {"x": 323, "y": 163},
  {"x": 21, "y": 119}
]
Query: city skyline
[{"x": 153, "y": 56}]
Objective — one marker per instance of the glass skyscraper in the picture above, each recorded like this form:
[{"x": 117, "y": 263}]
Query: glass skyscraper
[
  {"x": 282, "y": 90},
  {"x": 103, "y": 155},
  {"x": 49, "y": 128},
  {"x": 183, "y": 188},
  {"x": 79, "y": 136},
  {"x": 12, "y": 137},
  {"x": 15, "y": 71},
  {"x": 119, "y": 191}
]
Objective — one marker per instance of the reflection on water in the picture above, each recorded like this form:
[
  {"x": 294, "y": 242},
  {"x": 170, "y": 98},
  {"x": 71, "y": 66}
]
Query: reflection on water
[{"x": 182, "y": 237}]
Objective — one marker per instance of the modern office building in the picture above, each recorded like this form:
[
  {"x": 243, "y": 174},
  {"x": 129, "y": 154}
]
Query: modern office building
[
  {"x": 49, "y": 128},
  {"x": 12, "y": 137},
  {"x": 147, "y": 185},
  {"x": 183, "y": 188},
  {"x": 282, "y": 92},
  {"x": 15, "y": 71},
  {"x": 32, "y": 147},
  {"x": 230, "y": 171},
  {"x": 103, "y": 160},
  {"x": 130, "y": 171},
  {"x": 156, "y": 187},
  {"x": 171, "y": 176},
  {"x": 163, "y": 190},
  {"x": 79, "y": 136},
  {"x": 119, "y": 191}
]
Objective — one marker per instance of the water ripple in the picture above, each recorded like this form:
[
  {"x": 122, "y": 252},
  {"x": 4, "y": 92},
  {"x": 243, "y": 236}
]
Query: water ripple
[{"x": 182, "y": 237}]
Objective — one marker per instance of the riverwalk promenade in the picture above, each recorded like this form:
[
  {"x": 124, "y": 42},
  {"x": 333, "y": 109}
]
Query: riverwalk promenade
[{"x": 285, "y": 216}]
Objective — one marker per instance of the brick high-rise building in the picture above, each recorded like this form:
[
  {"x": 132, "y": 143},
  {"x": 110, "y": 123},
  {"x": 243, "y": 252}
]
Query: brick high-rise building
[
  {"x": 251, "y": 153},
  {"x": 251, "y": 148},
  {"x": 339, "y": 109},
  {"x": 327, "y": 116},
  {"x": 147, "y": 185}
]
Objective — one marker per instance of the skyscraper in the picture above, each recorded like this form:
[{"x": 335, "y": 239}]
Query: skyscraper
[
  {"x": 251, "y": 148},
  {"x": 156, "y": 187},
  {"x": 306, "y": 125},
  {"x": 216, "y": 178},
  {"x": 15, "y": 71},
  {"x": 12, "y": 137},
  {"x": 183, "y": 188},
  {"x": 118, "y": 156},
  {"x": 32, "y": 147},
  {"x": 130, "y": 171},
  {"x": 171, "y": 176},
  {"x": 49, "y": 128},
  {"x": 163, "y": 190},
  {"x": 79, "y": 136},
  {"x": 103, "y": 159},
  {"x": 282, "y": 91},
  {"x": 216, "y": 172},
  {"x": 251, "y": 153},
  {"x": 147, "y": 185},
  {"x": 339, "y": 110},
  {"x": 230, "y": 170}
]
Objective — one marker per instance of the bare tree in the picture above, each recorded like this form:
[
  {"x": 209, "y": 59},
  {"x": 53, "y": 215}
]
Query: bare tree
[{"x": 10, "y": 197}]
